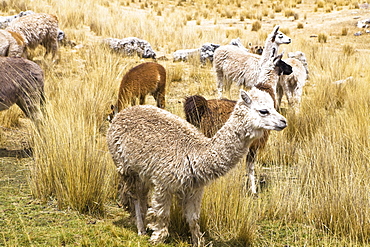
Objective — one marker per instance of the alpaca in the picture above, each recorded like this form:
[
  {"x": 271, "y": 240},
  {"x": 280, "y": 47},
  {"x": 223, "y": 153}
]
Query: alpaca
[
  {"x": 184, "y": 161},
  {"x": 11, "y": 44},
  {"x": 145, "y": 78},
  {"x": 292, "y": 85},
  {"x": 21, "y": 83},
  {"x": 37, "y": 29},
  {"x": 210, "y": 115},
  {"x": 232, "y": 64},
  {"x": 255, "y": 49}
]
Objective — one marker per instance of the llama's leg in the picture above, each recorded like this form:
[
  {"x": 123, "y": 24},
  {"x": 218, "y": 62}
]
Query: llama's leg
[
  {"x": 250, "y": 159},
  {"x": 279, "y": 94},
  {"x": 142, "y": 99},
  {"x": 191, "y": 204},
  {"x": 220, "y": 85},
  {"x": 159, "y": 214}
]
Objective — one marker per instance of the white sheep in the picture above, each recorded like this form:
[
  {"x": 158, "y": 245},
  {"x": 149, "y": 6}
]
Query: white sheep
[
  {"x": 131, "y": 46},
  {"x": 185, "y": 54},
  {"x": 292, "y": 85},
  {"x": 37, "y": 29},
  {"x": 233, "y": 64},
  {"x": 159, "y": 152}
]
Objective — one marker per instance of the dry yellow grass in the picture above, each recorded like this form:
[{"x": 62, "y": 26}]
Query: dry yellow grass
[{"x": 317, "y": 169}]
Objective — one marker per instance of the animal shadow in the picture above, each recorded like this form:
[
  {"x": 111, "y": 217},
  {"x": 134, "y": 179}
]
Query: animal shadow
[{"x": 18, "y": 153}]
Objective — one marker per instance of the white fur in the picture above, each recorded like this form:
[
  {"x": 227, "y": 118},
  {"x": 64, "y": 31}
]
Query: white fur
[
  {"x": 235, "y": 65},
  {"x": 157, "y": 151},
  {"x": 292, "y": 85}
]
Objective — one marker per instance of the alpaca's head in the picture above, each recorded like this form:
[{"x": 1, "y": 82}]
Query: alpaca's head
[
  {"x": 259, "y": 110},
  {"x": 278, "y": 37},
  {"x": 271, "y": 70}
]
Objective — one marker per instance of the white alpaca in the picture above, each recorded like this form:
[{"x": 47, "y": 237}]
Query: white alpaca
[
  {"x": 292, "y": 85},
  {"x": 235, "y": 65},
  {"x": 155, "y": 150}
]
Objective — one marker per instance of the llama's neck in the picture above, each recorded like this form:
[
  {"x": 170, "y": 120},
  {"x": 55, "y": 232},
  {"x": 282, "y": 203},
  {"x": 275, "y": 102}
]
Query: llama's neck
[
  {"x": 268, "y": 78},
  {"x": 270, "y": 50},
  {"x": 226, "y": 147}
]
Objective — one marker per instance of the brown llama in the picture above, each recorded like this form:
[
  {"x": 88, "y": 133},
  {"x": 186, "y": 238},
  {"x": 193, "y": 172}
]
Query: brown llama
[
  {"x": 21, "y": 83},
  {"x": 143, "y": 79},
  {"x": 210, "y": 115}
]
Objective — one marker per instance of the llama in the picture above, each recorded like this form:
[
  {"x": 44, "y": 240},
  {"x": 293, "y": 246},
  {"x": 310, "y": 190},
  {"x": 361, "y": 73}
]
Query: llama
[
  {"x": 292, "y": 85},
  {"x": 143, "y": 79},
  {"x": 11, "y": 44},
  {"x": 232, "y": 64},
  {"x": 184, "y": 161},
  {"x": 210, "y": 115},
  {"x": 37, "y": 29},
  {"x": 21, "y": 83}
]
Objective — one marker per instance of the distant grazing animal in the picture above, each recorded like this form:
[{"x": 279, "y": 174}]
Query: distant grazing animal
[
  {"x": 159, "y": 152},
  {"x": 37, "y": 29},
  {"x": 207, "y": 51},
  {"x": 131, "y": 46},
  {"x": 11, "y": 44},
  {"x": 185, "y": 55},
  {"x": 21, "y": 83},
  {"x": 292, "y": 85},
  {"x": 210, "y": 115},
  {"x": 256, "y": 49},
  {"x": 234, "y": 65},
  {"x": 146, "y": 78},
  {"x": 238, "y": 43},
  {"x": 5, "y": 20}
]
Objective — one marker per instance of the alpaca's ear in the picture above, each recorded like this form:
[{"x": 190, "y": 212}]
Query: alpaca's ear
[
  {"x": 112, "y": 107},
  {"x": 244, "y": 95},
  {"x": 274, "y": 33}
]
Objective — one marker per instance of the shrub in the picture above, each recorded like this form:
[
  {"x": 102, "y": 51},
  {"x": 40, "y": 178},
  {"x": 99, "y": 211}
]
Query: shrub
[{"x": 256, "y": 26}]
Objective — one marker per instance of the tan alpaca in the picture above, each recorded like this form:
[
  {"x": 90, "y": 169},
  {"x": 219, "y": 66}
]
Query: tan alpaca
[
  {"x": 11, "y": 44},
  {"x": 37, "y": 29},
  {"x": 159, "y": 152},
  {"x": 141, "y": 80}
]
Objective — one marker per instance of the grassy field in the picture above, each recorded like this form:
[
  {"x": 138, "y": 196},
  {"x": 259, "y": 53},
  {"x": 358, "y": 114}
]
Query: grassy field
[{"x": 62, "y": 192}]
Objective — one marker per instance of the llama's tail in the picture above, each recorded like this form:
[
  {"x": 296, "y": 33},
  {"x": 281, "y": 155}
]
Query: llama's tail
[{"x": 194, "y": 107}]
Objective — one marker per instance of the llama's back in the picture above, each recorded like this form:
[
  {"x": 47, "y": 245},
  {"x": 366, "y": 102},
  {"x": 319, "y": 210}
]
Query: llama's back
[
  {"x": 233, "y": 64},
  {"x": 133, "y": 142}
]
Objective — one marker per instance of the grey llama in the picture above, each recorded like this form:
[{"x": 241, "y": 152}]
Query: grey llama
[
  {"x": 159, "y": 152},
  {"x": 235, "y": 65},
  {"x": 21, "y": 83}
]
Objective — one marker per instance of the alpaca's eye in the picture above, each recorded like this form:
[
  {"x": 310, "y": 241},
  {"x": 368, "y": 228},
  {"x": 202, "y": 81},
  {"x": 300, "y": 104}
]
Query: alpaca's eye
[{"x": 264, "y": 112}]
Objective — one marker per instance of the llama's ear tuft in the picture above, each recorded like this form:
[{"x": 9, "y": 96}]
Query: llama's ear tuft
[{"x": 245, "y": 97}]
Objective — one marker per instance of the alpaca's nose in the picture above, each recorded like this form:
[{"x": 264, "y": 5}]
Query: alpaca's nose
[{"x": 282, "y": 124}]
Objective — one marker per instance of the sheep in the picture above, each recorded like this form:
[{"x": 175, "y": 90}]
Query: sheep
[
  {"x": 292, "y": 85},
  {"x": 210, "y": 115},
  {"x": 159, "y": 152},
  {"x": 37, "y": 29},
  {"x": 232, "y": 64},
  {"x": 11, "y": 44},
  {"x": 131, "y": 46},
  {"x": 22, "y": 83},
  {"x": 143, "y": 79}
]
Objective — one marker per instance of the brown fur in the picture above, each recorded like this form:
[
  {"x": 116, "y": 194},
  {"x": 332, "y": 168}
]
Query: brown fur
[
  {"x": 37, "y": 29},
  {"x": 256, "y": 49},
  {"x": 146, "y": 78},
  {"x": 21, "y": 83}
]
